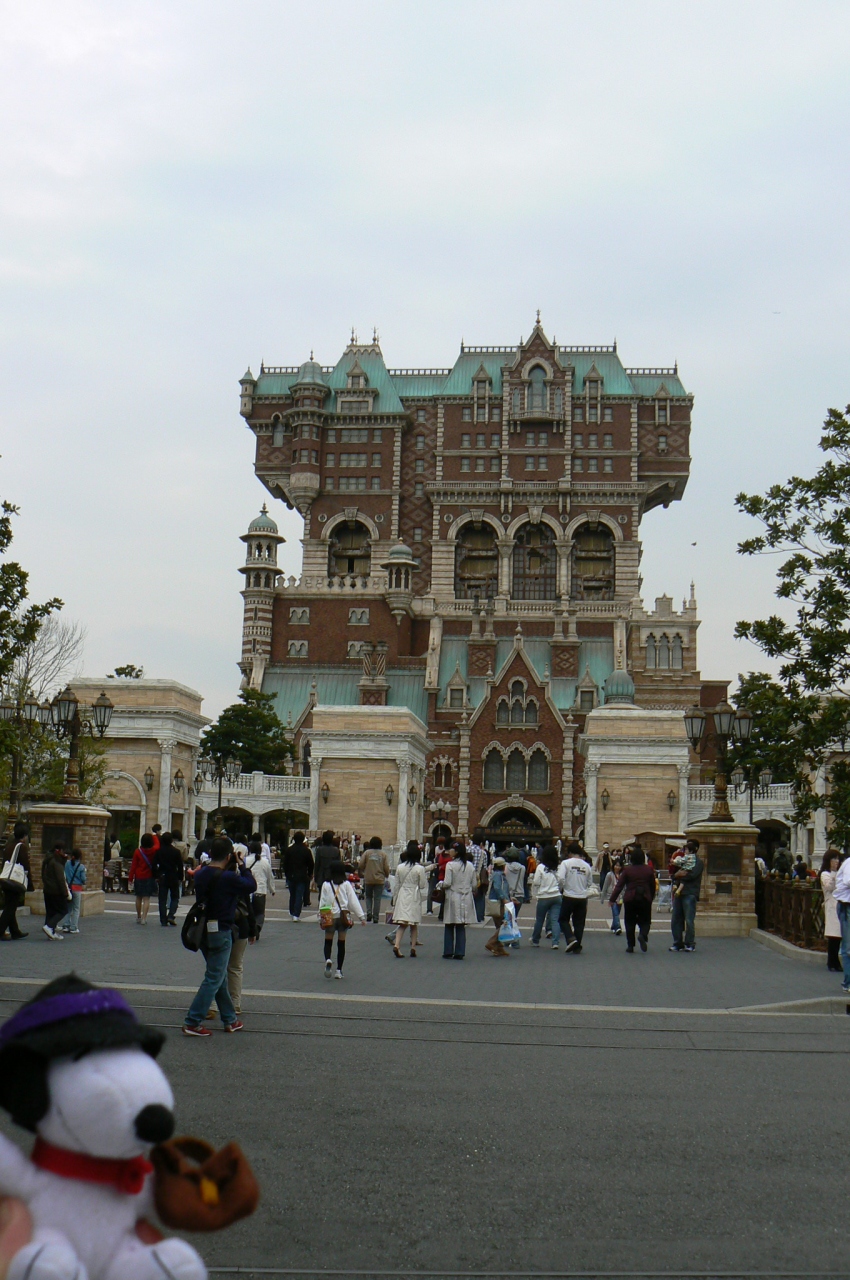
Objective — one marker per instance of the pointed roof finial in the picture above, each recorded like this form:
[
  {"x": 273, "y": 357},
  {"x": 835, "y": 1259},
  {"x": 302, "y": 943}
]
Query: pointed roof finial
[
  {"x": 538, "y": 315},
  {"x": 353, "y": 335},
  {"x": 311, "y": 353},
  {"x": 375, "y": 337}
]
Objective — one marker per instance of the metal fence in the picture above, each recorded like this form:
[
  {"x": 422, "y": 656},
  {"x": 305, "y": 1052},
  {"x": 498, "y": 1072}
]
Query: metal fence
[{"x": 792, "y": 910}]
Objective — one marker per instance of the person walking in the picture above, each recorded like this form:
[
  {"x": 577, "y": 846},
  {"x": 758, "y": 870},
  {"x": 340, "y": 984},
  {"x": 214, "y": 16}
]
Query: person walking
[
  {"x": 411, "y": 887},
  {"x": 515, "y": 872},
  {"x": 686, "y": 887},
  {"x": 219, "y": 884},
  {"x": 168, "y": 872},
  {"x": 841, "y": 895},
  {"x": 607, "y": 889},
  {"x": 480, "y": 862},
  {"x": 458, "y": 885},
  {"x": 831, "y": 924},
  {"x": 261, "y": 869},
  {"x": 546, "y": 887},
  {"x": 374, "y": 868},
  {"x": 338, "y": 898},
  {"x": 244, "y": 933},
  {"x": 75, "y": 876},
  {"x": 298, "y": 869},
  {"x": 13, "y": 898},
  {"x": 575, "y": 877},
  {"x": 637, "y": 885},
  {"x": 54, "y": 886},
  {"x": 141, "y": 878},
  {"x": 498, "y": 893},
  {"x": 325, "y": 854}
]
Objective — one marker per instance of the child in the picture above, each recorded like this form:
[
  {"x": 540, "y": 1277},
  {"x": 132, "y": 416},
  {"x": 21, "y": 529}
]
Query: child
[
  {"x": 338, "y": 909},
  {"x": 683, "y": 860}
]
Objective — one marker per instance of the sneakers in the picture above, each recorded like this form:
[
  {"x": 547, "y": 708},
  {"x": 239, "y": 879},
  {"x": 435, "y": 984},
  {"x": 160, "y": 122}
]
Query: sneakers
[
  {"x": 52, "y": 934},
  {"x": 642, "y": 943},
  {"x": 618, "y": 932},
  {"x": 328, "y": 968},
  {"x": 195, "y": 1031},
  {"x": 338, "y": 973},
  {"x": 690, "y": 948},
  {"x": 234, "y": 1026},
  {"x": 574, "y": 945},
  {"x": 555, "y": 946},
  {"x": 845, "y": 986},
  {"x": 629, "y": 950},
  {"x": 675, "y": 947},
  {"x": 72, "y": 931}
]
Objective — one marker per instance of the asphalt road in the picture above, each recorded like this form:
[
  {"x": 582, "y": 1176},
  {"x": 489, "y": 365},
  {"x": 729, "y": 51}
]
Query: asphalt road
[{"x": 597, "y": 1114}]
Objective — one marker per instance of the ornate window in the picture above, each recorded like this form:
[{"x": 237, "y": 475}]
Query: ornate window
[
  {"x": 538, "y": 771},
  {"x": 518, "y": 689},
  {"x": 516, "y": 402},
  {"x": 592, "y": 576},
  {"x": 535, "y": 564},
  {"x": 517, "y": 713},
  {"x": 358, "y": 617},
  {"x": 277, "y": 432},
  {"x": 663, "y": 653},
  {"x": 537, "y": 390},
  {"x": 494, "y": 771},
  {"x": 476, "y": 562},
  {"x": 676, "y": 653},
  {"x": 438, "y": 775},
  {"x": 447, "y": 775},
  {"x": 515, "y": 773},
  {"x": 531, "y": 712},
  {"x": 349, "y": 549},
  {"x": 503, "y": 712},
  {"x": 297, "y": 649},
  {"x": 299, "y": 617},
  {"x": 650, "y": 652}
]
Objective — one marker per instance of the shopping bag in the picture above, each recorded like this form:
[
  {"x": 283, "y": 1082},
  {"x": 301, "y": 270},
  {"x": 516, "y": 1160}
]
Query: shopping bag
[{"x": 509, "y": 931}]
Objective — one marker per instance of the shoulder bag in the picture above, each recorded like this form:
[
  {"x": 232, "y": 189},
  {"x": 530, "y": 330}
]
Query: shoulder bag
[
  {"x": 14, "y": 874},
  {"x": 345, "y": 918},
  {"x": 194, "y": 931}
]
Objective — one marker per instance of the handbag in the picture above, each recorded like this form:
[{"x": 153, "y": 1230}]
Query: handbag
[
  {"x": 14, "y": 874},
  {"x": 345, "y": 919},
  {"x": 194, "y": 930},
  {"x": 197, "y": 1188},
  {"x": 326, "y": 918}
]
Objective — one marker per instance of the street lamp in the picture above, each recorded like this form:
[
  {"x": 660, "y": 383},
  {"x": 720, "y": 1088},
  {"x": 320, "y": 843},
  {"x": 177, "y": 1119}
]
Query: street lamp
[
  {"x": 728, "y": 723},
  {"x": 605, "y": 798},
  {"x": 671, "y": 799},
  {"x": 757, "y": 779},
  {"x": 216, "y": 769},
  {"x": 24, "y": 714},
  {"x": 70, "y": 719}
]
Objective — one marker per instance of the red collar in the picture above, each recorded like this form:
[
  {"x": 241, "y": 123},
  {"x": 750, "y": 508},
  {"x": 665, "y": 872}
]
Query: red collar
[{"x": 126, "y": 1176}]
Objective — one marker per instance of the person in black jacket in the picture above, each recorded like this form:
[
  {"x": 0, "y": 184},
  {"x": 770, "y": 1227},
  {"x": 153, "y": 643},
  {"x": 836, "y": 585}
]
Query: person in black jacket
[
  {"x": 326, "y": 854},
  {"x": 168, "y": 870},
  {"x": 12, "y": 897},
  {"x": 297, "y": 868}
]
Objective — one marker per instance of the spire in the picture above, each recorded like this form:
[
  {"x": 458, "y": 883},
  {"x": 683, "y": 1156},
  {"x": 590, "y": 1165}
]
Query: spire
[{"x": 538, "y": 315}]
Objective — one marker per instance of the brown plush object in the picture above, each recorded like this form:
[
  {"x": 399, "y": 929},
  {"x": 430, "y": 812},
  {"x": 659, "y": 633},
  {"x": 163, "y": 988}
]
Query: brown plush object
[{"x": 197, "y": 1188}]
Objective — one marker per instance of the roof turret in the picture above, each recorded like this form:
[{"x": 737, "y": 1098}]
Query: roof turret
[
  {"x": 262, "y": 523},
  {"x": 619, "y": 689},
  {"x": 310, "y": 375}
]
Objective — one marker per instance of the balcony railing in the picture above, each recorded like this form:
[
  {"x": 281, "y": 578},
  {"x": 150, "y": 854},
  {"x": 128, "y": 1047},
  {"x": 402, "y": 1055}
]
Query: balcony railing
[
  {"x": 779, "y": 793},
  {"x": 793, "y": 910},
  {"x": 256, "y": 784}
]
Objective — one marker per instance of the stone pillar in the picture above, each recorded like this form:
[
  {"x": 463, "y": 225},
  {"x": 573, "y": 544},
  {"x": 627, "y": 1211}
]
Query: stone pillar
[
  {"x": 591, "y": 776},
  {"x": 315, "y": 769},
  {"x": 403, "y": 806},
  {"x": 166, "y": 746},
  {"x": 82, "y": 827},
  {"x": 567, "y": 780},
  {"x": 684, "y": 771},
  {"x": 563, "y": 550},
  {"x": 463, "y": 778},
  {"x": 727, "y": 901},
  {"x": 821, "y": 842},
  {"x": 505, "y": 551}
]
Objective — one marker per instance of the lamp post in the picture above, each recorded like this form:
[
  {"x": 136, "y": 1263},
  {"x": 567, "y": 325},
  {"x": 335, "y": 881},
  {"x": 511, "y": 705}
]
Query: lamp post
[
  {"x": 752, "y": 780},
  {"x": 216, "y": 769},
  {"x": 728, "y": 723},
  {"x": 24, "y": 715},
  {"x": 71, "y": 720}
]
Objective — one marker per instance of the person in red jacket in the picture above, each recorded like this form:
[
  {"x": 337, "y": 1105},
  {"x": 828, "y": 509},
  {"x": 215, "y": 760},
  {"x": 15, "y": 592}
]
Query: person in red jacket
[
  {"x": 141, "y": 881},
  {"x": 637, "y": 885}
]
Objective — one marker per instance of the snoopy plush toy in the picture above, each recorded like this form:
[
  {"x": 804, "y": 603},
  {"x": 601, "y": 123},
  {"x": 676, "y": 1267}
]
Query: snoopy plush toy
[{"x": 77, "y": 1069}]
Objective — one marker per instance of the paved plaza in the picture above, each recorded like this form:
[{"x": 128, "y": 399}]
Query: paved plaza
[{"x": 598, "y": 1114}]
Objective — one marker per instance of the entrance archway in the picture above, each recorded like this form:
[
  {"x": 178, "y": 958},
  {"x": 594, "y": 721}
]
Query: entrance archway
[{"x": 516, "y": 824}]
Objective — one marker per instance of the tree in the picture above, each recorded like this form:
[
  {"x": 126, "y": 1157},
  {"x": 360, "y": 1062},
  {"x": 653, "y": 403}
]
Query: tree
[
  {"x": 808, "y": 522},
  {"x": 250, "y": 732},
  {"x": 128, "y": 672},
  {"x": 19, "y": 626},
  {"x": 50, "y": 659}
]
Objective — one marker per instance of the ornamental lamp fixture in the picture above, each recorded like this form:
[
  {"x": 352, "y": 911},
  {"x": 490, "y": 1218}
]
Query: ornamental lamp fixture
[
  {"x": 389, "y": 793},
  {"x": 724, "y": 720},
  {"x": 326, "y": 791},
  {"x": 433, "y": 806},
  {"x": 737, "y": 777},
  {"x": 148, "y": 776},
  {"x": 177, "y": 784},
  {"x": 31, "y": 710},
  {"x": 671, "y": 799},
  {"x": 765, "y": 778},
  {"x": 695, "y": 725},
  {"x": 102, "y": 713},
  {"x": 743, "y": 724},
  {"x": 605, "y": 798},
  {"x": 8, "y": 710},
  {"x": 232, "y": 770},
  {"x": 199, "y": 782},
  {"x": 411, "y": 796},
  {"x": 44, "y": 714},
  {"x": 66, "y": 705}
]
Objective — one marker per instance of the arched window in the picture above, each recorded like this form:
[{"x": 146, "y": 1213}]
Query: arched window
[
  {"x": 650, "y": 652},
  {"x": 516, "y": 771},
  {"x": 277, "y": 431},
  {"x": 476, "y": 562},
  {"x": 676, "y": 655},
  {"x": 438, "y": 775},
  {"x": 592, "y": 576},
  {"x": 268, "y": 580},
  {"x": 503, "y": 713},
  {"x": 306, "y": 752},
  {"x": 516, "y": 401},
  {"x": 531, "y": 712},
  {"x": 494, "y": 771},
  {"x": 535, "y": 564},
  {"x": 516, "y": 712},
  {"x": 663, "y": 654},
  {"x": 538, "y": 771},
  {"x": 349, "y": 550},
  {"x": 517, "y": 689},
  {"x": 447, "y": 776},
  {"x": 256, "y": 579},
  {"x": 537, "y": 390}
]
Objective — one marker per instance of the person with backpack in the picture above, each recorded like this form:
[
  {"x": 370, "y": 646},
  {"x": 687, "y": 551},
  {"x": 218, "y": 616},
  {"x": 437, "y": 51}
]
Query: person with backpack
[
  {"x": 374, "y": 869},
  {"x": 498, "y": 893},
  {"x": 637, "y": 886},
  {"x": 141, "y": 878},
  {"x": 219, "y": 886}
]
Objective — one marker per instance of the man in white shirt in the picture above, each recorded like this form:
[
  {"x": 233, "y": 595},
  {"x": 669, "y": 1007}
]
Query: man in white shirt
[
  {"x": 841, "y": 894},
  {"x": 576, "y": 880}
]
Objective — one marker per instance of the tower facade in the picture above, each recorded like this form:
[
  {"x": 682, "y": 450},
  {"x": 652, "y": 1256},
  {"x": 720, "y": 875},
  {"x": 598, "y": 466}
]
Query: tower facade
[
  {"x": 261, "y": 576},
  {"x": 471, "y": 551}
]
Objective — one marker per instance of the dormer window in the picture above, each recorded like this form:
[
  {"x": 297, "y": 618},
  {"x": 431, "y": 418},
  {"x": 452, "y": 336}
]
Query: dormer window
[
  {"x": 356, "y": 381},
  {"x": 662, "y": 413},
  {"x": 537, "y": 390}
]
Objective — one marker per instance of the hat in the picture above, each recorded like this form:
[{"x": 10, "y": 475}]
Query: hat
[{"x": 499, "y": 862}]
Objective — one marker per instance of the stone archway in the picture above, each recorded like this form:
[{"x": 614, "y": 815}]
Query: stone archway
[{"x": 518, "y": 823}]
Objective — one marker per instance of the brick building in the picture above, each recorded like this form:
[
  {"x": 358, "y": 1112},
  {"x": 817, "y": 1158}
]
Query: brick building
[{"x": 471, "y": 552}]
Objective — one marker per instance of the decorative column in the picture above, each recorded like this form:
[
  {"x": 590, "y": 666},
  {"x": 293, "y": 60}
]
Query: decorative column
[
  {"x": 684, "y": 771},
  {"x": 619, "y": 644},
  {"x": 403, "y": 803},
  {"x": 563, "y": 547},
  {"x": 505, "y": 550},
  {"x": 591, "y": 775},
  {"x": 163, "y": 816},
  {"x": 820, "y": 818},
  {"x": 463, "y": 778},
  {"x": 191, "y": 805},
  {"x": 567, "y": 779},
  {"x": 315, "y": 769}
]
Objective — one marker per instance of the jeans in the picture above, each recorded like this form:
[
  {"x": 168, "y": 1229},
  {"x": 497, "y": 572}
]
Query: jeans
[
  {"x": 72, "y": 919},
  {"x": 572, "y": 918},
  {"x": 548, "y": 910},
  {"x": 637, "y": 912},
  {"x": 615, "y": 915},
  {"x": 684, "y": 910},
  {"x": 373, "y": 893},
  {"x": 167, "y": 911},
  {"x": 478, "y": 899},
  {"x": 844, "y": 952},
  {"x": 454, "y": 940},
  {"x": 214, "y": 986},
  {"x": 297, "y": 889}
]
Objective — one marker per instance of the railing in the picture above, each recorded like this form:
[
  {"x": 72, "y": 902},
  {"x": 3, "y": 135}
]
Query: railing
[
  {"x": 793, "y": 910},
  {"x": 257, "y": 784},
  {"x": 291, "y": 786},
  {"x": 669, "y": 373},
  {"x": 777, "y": 793}
]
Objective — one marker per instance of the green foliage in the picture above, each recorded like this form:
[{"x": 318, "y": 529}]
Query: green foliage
[
  {"x": 249, "y": 731},
  {"x": 803, "y": 717},
  {"x": 128, "y": 672},
  {"x": 18, "y": 625}
]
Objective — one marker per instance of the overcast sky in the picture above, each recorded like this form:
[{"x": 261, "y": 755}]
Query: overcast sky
[{"x": 187, "y": 188}]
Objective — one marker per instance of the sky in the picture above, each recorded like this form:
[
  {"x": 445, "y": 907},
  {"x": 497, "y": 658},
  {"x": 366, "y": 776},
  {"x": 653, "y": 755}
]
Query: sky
[{"x": 187, "y": 188}]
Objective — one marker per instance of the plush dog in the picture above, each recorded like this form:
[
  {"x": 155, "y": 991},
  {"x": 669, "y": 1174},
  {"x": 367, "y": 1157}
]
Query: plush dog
[{"x": 77, "y": 1069}]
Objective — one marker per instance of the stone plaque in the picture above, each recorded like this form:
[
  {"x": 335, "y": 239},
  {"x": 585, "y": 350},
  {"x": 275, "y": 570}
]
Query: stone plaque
[
  {"x": 723, "y": 886},
  {"x": 50, "y": 835},
  {"x": 724, "y": 860}
]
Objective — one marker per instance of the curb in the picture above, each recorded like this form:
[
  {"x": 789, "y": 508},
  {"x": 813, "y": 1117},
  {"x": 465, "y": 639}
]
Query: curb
[{"x": 788, "y": 948}]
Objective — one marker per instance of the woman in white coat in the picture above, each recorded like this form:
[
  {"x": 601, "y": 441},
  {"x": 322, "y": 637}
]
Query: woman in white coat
[
  {"x": 410, "y": 889},
  {"x": 831, "y": 923},
  {"x": 458, "y": 884}
]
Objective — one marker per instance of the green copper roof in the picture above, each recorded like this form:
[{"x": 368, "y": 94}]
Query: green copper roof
[
  {"x": 379, "y": 380},
  {"x": 647, "y": 384}
]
